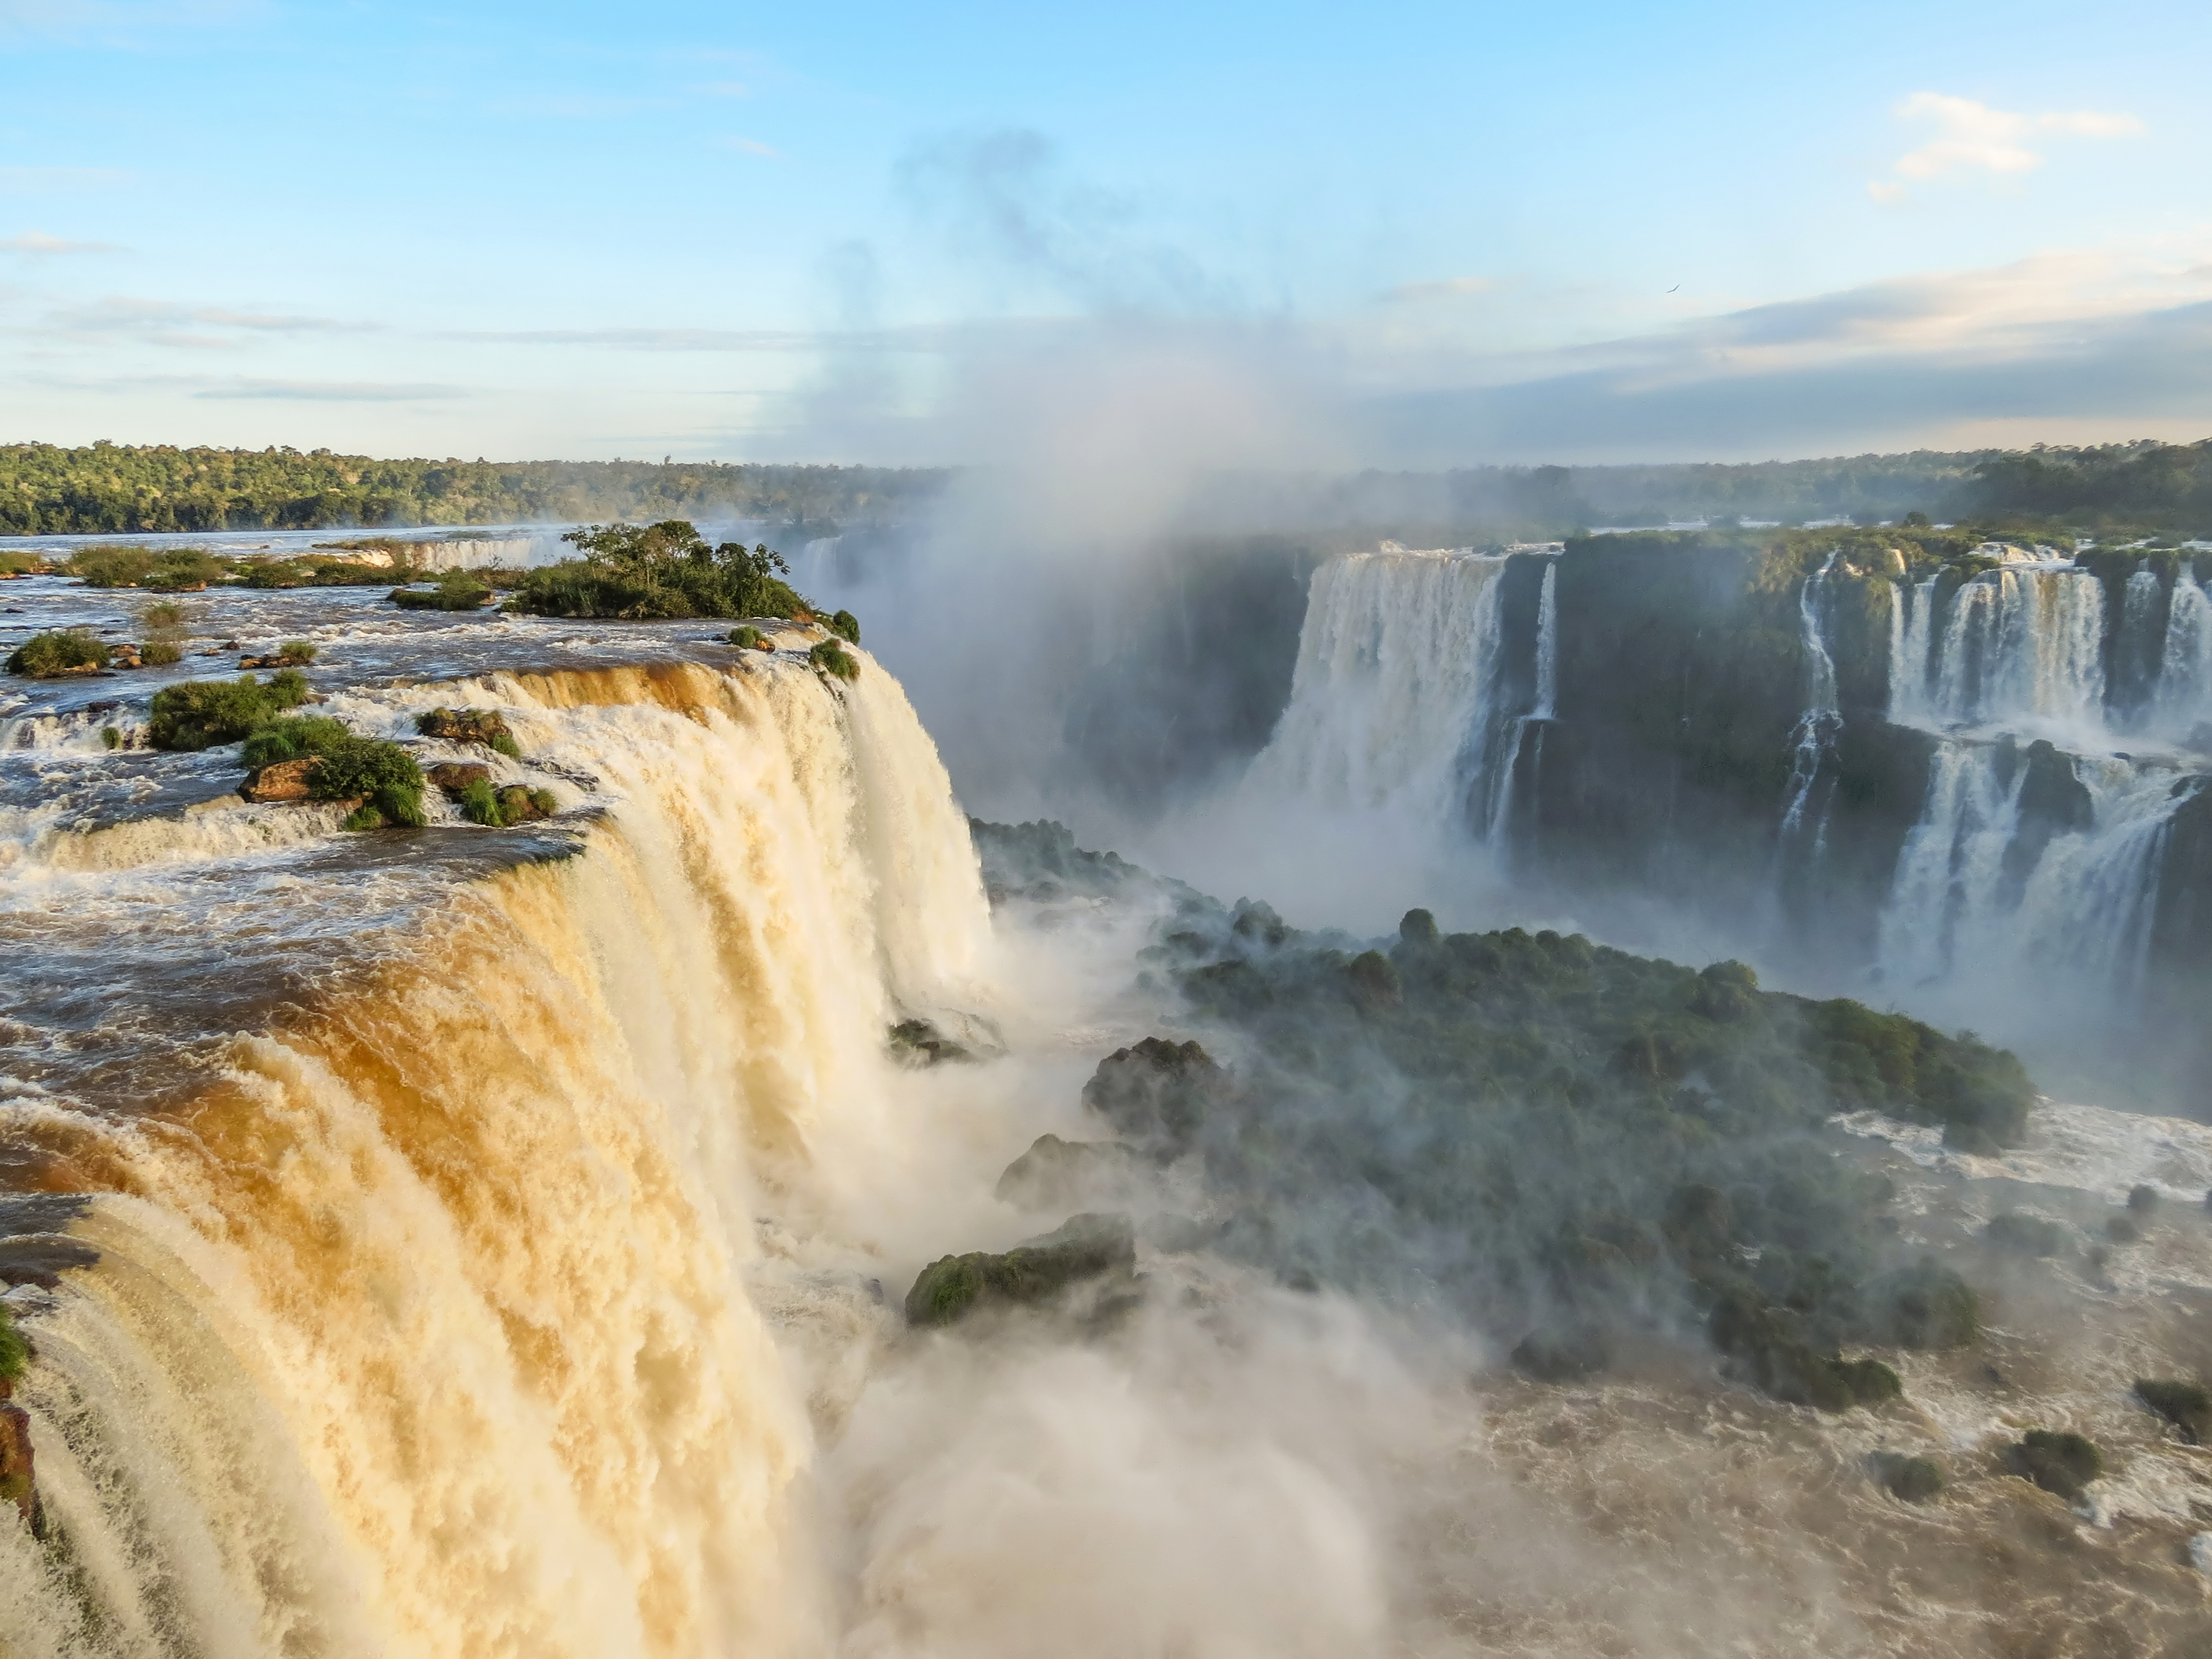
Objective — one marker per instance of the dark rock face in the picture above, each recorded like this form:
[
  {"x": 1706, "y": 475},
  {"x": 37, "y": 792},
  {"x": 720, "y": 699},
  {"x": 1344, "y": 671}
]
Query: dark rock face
[
  {"x": 1155, "y": 1094},
  {"x": 1087, "y": 1247},
  {"x": 18, "y": 1474},
  {"x": 1915, "y": 1480}
]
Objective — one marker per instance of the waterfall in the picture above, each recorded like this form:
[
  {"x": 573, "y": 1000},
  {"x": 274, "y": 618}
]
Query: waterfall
[
  {"x": 1394, "y": 696},
  {"x": 2024, "y": 644},
  {"x": 1911, "y": 648},
  {"x": 1527, "y": 750},
  {"x": 1959, "y": 899},
  {"x": 1814, "y": 737},
  {"x": 2184, "y": 681},
  {"x": 425, "y": 1320}
]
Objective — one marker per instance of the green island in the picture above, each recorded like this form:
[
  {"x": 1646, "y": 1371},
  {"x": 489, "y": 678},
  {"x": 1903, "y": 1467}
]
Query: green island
[{"x": 1565, "y": 1144}]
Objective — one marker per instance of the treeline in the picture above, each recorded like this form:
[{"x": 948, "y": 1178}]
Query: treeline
[
  {"x": 117, "y": 488},
  {"x": 2140, "y": 486}
]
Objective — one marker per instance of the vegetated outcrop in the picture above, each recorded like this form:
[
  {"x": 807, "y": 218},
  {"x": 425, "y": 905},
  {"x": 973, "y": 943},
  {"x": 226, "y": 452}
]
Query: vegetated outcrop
[
  {"x": 455, "y": 589},
  {"x": 1087, "y": 1247},
  {"x": 833, "y": 659},
  {"x": 660, "y": 572},
  {"x": 1040, "y": 861},
  {"x": 58, "y": 653},
  {"x": 2185, "y": 1404},
  {"x": 1566, "y": 1142},
  {"x": 919, "y": 1042},
  {"x": 314, "y": 758},
  {"x": 195, "y": 714},
  {"x": 487, "y": 727},
  {"x": 2059, "y": 1463},
  {"x": 1915, "y": 1480},
  {"x": 1057, "y": 1173}
]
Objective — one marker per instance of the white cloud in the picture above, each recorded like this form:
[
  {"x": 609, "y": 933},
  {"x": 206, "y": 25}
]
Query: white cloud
[
  {"x": 159, "y": 322},
  {"x": 1972, "y": 137},
  {"x": 335, "y": 391}
]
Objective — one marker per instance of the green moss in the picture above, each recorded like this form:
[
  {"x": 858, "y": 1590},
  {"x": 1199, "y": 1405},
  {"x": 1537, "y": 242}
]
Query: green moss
[
  {"x": 1915, "y": 1480},
  {"x": 15, "y": 1353},
  {"x": 833, "y": 658},
  {"x": 200, "y": 714},
  {"x": 1086, "y": 1247},
  {"x": 45, "y": 655},
  {"x": 845, "y": 626},
  {"x": 364, "y": 817},
  {"x": 2058, "y": 1462}
]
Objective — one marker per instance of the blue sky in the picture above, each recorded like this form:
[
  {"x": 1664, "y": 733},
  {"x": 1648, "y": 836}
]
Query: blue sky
[{"x": 1393, "y": 235}]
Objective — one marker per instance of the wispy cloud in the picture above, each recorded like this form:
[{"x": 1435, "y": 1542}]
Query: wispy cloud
[
  {"x": 37, "y": 242},
  {"x": 335, "y": 391},
  {"x": 754, "y": 147},
  {"x": 159, "y": 322},
  {"x": 720, "y": 339},
  {"x": 119, "y": 22},
  {"x": 1973, "y": 138}
]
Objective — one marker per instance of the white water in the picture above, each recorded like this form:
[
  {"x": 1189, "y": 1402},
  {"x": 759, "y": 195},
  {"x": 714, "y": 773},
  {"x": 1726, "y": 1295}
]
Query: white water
[
  {"x": 1392, "y": 697},
  {"x": 2080, "y": 917},
  {"x": 2022, "y": 644},
  {"x": 1814, "y": 737},
  {"x": 433, "y": 1336},
  {"x": 1911, "y": 652},
  {"x": 1529, "y": 729},
  {"x": 2184, "y": 700}
]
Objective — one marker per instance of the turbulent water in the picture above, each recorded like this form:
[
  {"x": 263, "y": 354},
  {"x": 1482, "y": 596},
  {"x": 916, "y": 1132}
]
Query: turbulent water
[{"x": 498, "y": 1235}]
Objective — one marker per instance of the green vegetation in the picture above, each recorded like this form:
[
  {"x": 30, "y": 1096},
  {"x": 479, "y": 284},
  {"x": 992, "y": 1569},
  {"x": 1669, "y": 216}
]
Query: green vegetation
[
  {"x": 457, "y": 590},
  {"x": 2137, "y": 487},
  {"x": 659, "y": 572},
  {"x": 2057, "y": 1462},
  {"x": 176, "y": 569},
  {"x": 1915, "y": 1480},
  {"x": 43, "y": 656},
  {"x": 746, "y": 637},
  {"x": 105, "y": 488},
  {"x": 14, "y": 562},
  {"x": 2026, "y": 1235},
  {"x": 2186, "y": 1405},
  {"x": 503, "y": 808},
  {"x": 15, "y": 1353},
  {"x": 1560, "y": 1138},
  {"x": 1086, "y": 1247},
  {"x": 110, "y": 737},
  {"x": 832, "y": 659},
  {"x": 487, "y": 727},
  {"x": 846, "y": 627},
  {"x": 310, "y": 571},
  {"x": 196, "y": 714},
  {"x": 382, "y": 776},
  {"x": 302, "y": 652},
  {"x": 293, "y": 738}
]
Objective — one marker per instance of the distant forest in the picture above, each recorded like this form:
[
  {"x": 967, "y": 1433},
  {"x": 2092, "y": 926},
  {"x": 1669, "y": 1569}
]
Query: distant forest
[
  {"x": 105, "y": 488},
  {"x": 111, "y": 489}
]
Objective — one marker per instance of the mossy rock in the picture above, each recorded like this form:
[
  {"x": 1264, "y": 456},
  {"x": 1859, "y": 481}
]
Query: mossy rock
[
  {"x": 833, "y": 659},
  {"x": 2056, "y": 1462},
  {"x": 1914, "y": 1479},
  {"x": 1056, "y": 1172},
  {"x": 2025, "y": 1235},
  {"x": 1156, "y": 1093},
  {"x": 918, "y": 1042},
  {"x": 1086, "y": 1247},
  {"x": 487, "y": 727},
  {"x": 2186, "y": 1405}
]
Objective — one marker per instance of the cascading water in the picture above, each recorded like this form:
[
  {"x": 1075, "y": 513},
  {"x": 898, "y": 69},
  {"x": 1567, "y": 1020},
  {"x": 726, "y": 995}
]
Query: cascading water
[
  {"x": 2021, "y": 644},
  {"x": 1814, "y": 738},
  {"x": 421, "y": 1321},
  {"x": 1394, "y": 697},
  {"x": 2184, "y": 700},
  {"x": 1527, "y": 750},
  {"x": 1911, "y": 647}
]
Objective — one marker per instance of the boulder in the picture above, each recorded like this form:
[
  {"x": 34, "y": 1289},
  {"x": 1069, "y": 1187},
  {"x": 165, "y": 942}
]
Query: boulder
[
  {"x": 1156, "y": 1091},
  {"x": 1056, "y": 1173},
  {"x": 1915, "y": 1480},
  {"x": 1087, "y": 1247},
  {"x": 520, "y": 806},
  {"x": 2057, "y": 1462},
  {"x": 18, "y": 1483},
  {"x": 919, "y": 1042},
  {"x": 282, "y": 781},
  {"x": 454, "y": 776},
  {"x": 484, "y": 726},
  {"x": 2186, "y": 1405}
]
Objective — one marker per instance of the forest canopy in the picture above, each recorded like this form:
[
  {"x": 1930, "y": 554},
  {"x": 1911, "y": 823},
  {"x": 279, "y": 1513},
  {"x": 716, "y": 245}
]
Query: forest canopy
[{"x": 105, "y": 488}]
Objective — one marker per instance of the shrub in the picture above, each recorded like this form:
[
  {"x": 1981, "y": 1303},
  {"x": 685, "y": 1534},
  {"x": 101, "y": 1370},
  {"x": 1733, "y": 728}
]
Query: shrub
[
  {"x": 2122, "y": 1230},
  {"x": 2187, "y": 1405},
  {"x": 45, "y": 655},
  {"x": 183, "y": 569},
  {"x": 200, "y": 714},
  {"x": 380, "y": 774},
  {"x": 297, "y": 651},
  {"x": 658, "y": 572},
  {"x": 161, "y": 653},
  {"x": 1915, "y": 1480},
  {"x": 833, "y": 658},
  {"x": 288, "y": 739},
  {"x": 748, "y": 638},
  {"x": 846, "y": 626},
  {"x": 1928, "y": 1306},
  {"x": 110, "y": 737},
  {"x": 364, "y": 817},
  {"x": 15, "y": 1353},
  {"x": 2142, "y": 1200},
  {"x": 110, "y": 565},
  {"x": 2026, "y": 1235},
  {"x": 479, "y": 804},
  {"x": 2057, "y": 1462},
  {"x": 1373, "y": 981},
  {"x": 456, "y": 591},
  {"x": 163, "y": 614}
]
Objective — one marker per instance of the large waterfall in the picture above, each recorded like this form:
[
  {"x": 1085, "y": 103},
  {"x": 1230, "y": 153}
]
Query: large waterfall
[{"x": 422, "y": 1321}]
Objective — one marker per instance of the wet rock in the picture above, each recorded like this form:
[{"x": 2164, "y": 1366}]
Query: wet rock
[
  {"x": 1562, "y": 1357},
  {"x": 1056, "y": 1173},
  {"x": 18, "y": 1474},
  {"x": 918, "y": 1042},
  {"x": 2025, "y": 1235},
  {"x": 454, "y": 776},
  {"x": 2058, "y": 1462},
  {"x": 284, "y": 780},
  {"x": 1087, "y": 1247},
  {"x": 1156, "y": 1093},
  {"x": 485, "y": 726},
  {"x": 2186, "y": 1405}
]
